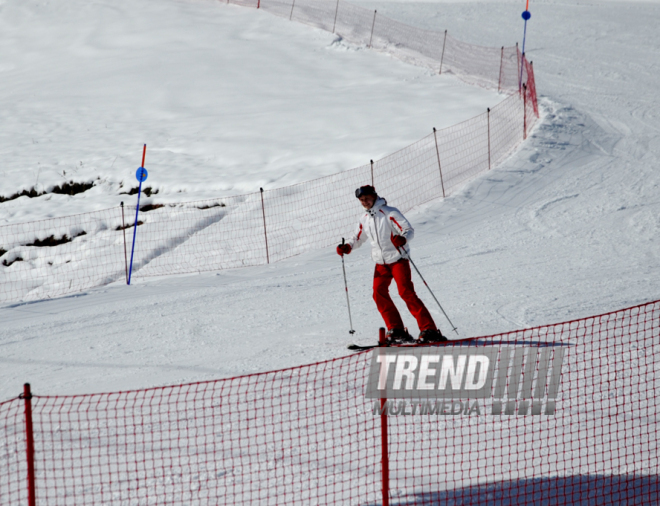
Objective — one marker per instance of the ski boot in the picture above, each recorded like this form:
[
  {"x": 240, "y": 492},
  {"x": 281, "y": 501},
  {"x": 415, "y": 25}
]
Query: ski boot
[
  {"x": 431, "y": 336},
  {"x": 398, "y": 336}
]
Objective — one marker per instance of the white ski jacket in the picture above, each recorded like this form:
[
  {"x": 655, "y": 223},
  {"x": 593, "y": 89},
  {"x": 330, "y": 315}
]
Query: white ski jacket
[{"x": 380, "y": 224}]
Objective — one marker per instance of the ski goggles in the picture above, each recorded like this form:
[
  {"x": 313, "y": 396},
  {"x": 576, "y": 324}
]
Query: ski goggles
[{"x": 365, "y": 190}]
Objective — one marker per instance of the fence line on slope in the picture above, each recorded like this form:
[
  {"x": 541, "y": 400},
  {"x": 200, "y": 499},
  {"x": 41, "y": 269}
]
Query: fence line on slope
[
  {"x": 55, "y": 257},
  {"x": 489, "y": 67},
  {"x": 309, "y": 435}
]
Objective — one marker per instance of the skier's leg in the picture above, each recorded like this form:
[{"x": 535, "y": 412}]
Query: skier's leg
[
  {"x": 403, "y": 277},
  {"x": 389, "y": 312}
]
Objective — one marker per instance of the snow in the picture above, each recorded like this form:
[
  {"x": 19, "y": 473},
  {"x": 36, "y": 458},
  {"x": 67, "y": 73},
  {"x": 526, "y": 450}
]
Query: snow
[
  {"x": 227, "y": 99},
  {"x": 566, "y": 228}
]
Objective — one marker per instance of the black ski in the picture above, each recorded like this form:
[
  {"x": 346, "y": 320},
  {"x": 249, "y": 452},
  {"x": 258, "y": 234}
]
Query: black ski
[{"x": 357, "y": 347}]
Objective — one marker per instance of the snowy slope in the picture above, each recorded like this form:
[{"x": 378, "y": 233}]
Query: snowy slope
[
  {"x": 567, "y": 228},
  {"x": 228, "y": 100}
]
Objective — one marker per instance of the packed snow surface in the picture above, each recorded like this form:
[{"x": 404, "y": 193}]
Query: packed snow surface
[{"x": 567, "y": 228}]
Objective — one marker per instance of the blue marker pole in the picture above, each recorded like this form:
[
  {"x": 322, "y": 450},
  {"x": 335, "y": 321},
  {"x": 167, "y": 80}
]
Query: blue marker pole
[
  {"x": 526, "y": 15},
  {"x": 141, "y": 175}
]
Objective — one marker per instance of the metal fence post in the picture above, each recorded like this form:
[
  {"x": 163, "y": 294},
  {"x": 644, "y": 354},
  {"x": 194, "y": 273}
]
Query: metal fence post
[
  {"x": 442, "y": 57},
  {"x": 372, "y": 173},
  {"x": 263, "y": 211},
  {"x": 499, "y": 77},
  {"x": 372, "y": 29},
  {"x": 488, "y": 114},
  {"x": 437, "y": 152},
  {"x": 29, "y": 438},
  {"x": 335, "y": 23},
  {"x": 123, "y": 227}
]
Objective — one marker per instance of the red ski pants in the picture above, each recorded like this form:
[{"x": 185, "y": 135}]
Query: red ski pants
[{"x": 400, "y": 271}]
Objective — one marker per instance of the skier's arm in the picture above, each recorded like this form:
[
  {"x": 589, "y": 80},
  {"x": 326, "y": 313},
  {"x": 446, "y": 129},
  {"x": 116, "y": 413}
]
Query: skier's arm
[
  {"x": 400, "y": 225},
  {"x": 358, "y": 237}
]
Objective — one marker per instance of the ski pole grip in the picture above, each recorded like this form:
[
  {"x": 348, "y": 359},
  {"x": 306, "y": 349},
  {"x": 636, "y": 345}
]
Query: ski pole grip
[{"x": 342, "y": 241}]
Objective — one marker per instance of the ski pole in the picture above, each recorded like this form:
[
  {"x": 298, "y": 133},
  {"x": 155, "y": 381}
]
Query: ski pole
[
  {"x": 348, "y": 303},
  {"x": 407, "y": 256}
]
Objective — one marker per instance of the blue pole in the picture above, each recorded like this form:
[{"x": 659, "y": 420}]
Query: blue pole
[
  {"x": 135, "y": 226},
  {"x": 141, "y": 175},
  {"x": 526, "y": 16}
]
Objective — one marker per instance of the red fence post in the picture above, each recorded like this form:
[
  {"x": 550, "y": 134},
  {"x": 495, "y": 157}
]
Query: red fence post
[
  {"x": 123, "y": 227},
  {"x": 524, "y": 87},
  {"x": 535, "y": 103},
  {"x": 517, "y": 66},
  {"x": 372, "y": 29},
  {"x": 437, "y": 152},
  {"x": 488, "y": 113},
  {"x": 383, "y": 436},
  {"x": 263, "y": 211},
  {"x": 29, "y": 437},
  {"x": 499, "y": 77},
  {"x": 442, "y": 57}
]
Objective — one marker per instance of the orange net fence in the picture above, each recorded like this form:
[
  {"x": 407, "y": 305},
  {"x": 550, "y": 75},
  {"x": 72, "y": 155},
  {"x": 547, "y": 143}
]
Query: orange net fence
[{"x": 570, "y": 417}]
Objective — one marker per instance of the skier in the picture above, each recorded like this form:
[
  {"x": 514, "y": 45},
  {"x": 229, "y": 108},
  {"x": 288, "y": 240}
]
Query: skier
[{"x": 389, "y": 231}]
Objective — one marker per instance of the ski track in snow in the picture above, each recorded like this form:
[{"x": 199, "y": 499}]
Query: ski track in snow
[{"x": 566, "y": 228}]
